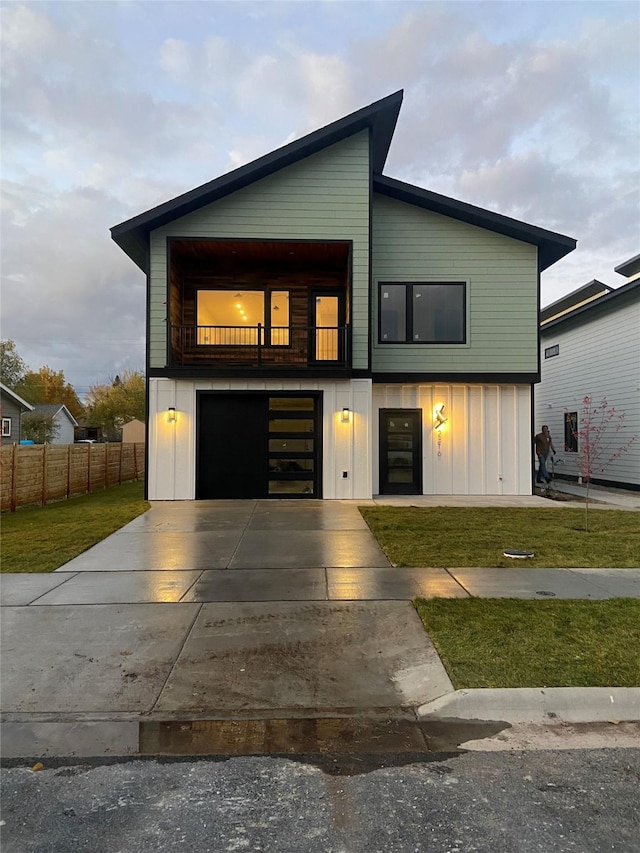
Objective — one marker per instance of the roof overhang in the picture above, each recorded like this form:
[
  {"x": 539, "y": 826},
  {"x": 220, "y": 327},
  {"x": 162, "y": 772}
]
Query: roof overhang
[
  {"x": 630, "y": 267},
  {"x": 5, "y": 390},
  {"x": 594, "y": 289},
  {"x": 551, "y": 246},
  {"x": 379, "y": 118},
  {"x": 614, "y": 299}
]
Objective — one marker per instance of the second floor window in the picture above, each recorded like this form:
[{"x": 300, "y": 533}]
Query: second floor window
[
  {"x": 422, "y": 312},
  {"x": 235, "y": 317}
]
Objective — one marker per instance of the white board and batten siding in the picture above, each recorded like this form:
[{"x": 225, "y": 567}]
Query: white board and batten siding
[
  {"x": 484, "y": 446},
  {"x": 484, "y": 449},
  {"x": 412, "y": 244},
  {"x": 346, "y": 446},
  {"x": 600, "y": 358},
  {"x": 323, "y": 197}
]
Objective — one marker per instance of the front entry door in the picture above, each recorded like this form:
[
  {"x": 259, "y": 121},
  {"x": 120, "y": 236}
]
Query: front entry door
[
  {"x": 400, "y": 452},
  {"x": 258, "y": 446}
]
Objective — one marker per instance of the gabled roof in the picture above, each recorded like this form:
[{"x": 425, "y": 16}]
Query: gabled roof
[
  {"x": 5, "y": 390},
  {"x": 592, "y": 290},
  {"x": 551, "y": 246},
  {"x": 54, "y": 409},
  {"x": 613, "y": 299},
  {"x": 380, "y": 117}
]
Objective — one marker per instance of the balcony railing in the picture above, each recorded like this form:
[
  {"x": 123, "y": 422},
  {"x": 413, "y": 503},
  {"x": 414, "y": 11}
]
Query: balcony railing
[{"x": 260, "y": 346}]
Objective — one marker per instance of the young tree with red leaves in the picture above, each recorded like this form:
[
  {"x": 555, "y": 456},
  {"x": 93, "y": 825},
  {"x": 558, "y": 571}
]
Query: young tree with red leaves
[{"x": 598, "y": 441}]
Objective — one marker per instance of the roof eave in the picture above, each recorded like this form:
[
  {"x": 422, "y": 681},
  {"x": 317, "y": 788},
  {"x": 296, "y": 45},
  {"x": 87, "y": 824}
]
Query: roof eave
[
  {"x": 16, "y": 397},
  {"x": 380, "y": 117},
  {"x": 595, "y": 304},
  {"x": 629, "y": 267}
]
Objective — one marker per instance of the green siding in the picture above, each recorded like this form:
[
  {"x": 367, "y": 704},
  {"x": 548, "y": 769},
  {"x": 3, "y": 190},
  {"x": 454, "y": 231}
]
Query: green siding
[
  {"x": 323, "y": 197},
  {"x": 411, "y": 244}
]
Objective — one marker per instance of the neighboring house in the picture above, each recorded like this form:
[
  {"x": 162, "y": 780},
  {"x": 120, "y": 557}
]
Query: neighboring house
[
  {"x": 84, "y": 433},
  {"x": 12, "y": 407},
  {"x": 63, "y": 419},
  {"x": 590, "y": 343},
  {"x": 133, "y": 432},
  {"x": 316, "y": 329}
]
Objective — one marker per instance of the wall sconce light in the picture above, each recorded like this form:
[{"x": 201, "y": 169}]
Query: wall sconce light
[
  {"x": 439, "y": 422},
  {"x": 171, "y": 413},
  {"x": 345, "y": 417},
  {"x": 440, "y": 419}
]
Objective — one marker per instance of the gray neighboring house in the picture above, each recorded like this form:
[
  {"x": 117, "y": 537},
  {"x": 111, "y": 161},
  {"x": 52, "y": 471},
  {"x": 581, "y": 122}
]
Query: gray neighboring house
[
  {"x": 63, "y": 419},
  {"x": 12, "y": 408},
  {"x": 590, "y": 346}
]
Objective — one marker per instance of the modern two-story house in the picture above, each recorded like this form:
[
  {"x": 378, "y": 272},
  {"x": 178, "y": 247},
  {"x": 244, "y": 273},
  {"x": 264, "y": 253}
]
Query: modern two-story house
[{"x": 316, "y": 329}]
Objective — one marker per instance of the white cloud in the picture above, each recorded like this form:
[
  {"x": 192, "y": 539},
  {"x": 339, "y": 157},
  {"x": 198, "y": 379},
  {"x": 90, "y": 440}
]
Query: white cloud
[
  {"x": 109, "y": 109},
  {"x": 328, "y": 92},
  {"x": 176, "y": 59}
]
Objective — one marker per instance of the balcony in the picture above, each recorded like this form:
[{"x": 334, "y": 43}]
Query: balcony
[{"x": 263, "y": 347}]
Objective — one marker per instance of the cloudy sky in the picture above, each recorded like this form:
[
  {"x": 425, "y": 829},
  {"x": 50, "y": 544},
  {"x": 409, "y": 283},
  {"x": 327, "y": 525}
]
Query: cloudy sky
[{"x": 109, "y": 108}]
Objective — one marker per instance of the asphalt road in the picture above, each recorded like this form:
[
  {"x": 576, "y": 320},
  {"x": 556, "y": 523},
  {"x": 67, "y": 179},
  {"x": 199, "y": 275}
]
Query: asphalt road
[{"x": 520, "y": 802}]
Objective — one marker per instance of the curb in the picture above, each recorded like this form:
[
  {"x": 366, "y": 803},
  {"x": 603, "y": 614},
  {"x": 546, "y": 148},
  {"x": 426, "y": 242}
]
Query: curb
[{"x": 537, "y": 705}]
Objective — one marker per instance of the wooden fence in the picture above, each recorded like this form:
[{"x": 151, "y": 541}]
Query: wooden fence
[{"x": 36, "y": 474}]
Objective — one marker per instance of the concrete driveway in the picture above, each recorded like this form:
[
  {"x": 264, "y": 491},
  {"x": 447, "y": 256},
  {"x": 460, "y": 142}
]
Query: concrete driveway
[
  {"x": 252, "y": 610},
  {"x": 208, "y": 610}
]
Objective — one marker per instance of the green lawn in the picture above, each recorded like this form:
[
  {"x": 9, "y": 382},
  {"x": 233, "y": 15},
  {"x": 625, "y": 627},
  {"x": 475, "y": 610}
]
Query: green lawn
[
  {"x": 513, "y": 643},
  {"x": 461, "y": 536},
  {"x": 41, "y": 539}
]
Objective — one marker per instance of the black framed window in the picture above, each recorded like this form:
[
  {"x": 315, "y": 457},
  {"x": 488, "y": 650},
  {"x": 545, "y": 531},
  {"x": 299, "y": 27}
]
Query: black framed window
[
  {"x": 233, "y": 317},
  {"x": 571, "y": 432},
  {"x": 422, "y": 312}
]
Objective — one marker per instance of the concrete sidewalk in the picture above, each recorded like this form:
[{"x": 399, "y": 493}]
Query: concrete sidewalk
[{"x": 254, "y": 611}]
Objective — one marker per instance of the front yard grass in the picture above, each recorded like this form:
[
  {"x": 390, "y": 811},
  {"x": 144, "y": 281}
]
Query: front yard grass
[
  {"x": 477, "y": 536},
  {"x": 487, "y": 642},
  {"x": 41, "y": 539}
]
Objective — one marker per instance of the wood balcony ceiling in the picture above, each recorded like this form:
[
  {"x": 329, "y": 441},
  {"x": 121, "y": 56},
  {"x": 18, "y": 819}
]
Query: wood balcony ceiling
[{"x": 197, "y": 253}]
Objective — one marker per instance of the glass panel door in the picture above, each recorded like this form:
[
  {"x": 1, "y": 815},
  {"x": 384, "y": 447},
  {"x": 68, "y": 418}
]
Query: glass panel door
[
  {"x": 400, "y": 451},
  {"x": 327, "y": 320},
  {"x": 293, "y": 444}
]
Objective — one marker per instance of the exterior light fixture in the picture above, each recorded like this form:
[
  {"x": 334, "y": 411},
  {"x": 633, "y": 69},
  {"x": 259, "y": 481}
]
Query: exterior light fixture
[
  {"x": 345, "y": 417},
  {"x": 171, "y": 413},
  {"x": 440, "y": 419},
  {"x": 438, "y": 423}
]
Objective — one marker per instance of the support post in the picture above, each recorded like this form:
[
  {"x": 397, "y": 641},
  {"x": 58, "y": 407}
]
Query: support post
[
  {"x": 14, "y": 477},
  {"x": 44, "y": 475}
]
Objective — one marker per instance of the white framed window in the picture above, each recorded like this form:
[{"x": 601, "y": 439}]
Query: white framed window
[
  {"x": 6, "y": 427},
  {"x": 422, "y": 312}
]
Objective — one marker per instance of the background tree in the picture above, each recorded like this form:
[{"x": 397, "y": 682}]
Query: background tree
[
  {"x": 599, "y": 442},
  {"x": 39, "y": 428},
  {"x": 12, "y": 367},
  {"x": 112, "y": 405},
  {"x": 49, "y": 386}
]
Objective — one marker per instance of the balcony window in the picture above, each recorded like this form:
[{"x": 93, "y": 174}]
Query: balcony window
[
  {"x": 232, "y": 317},
  {"x": 423, "y": 312}
]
